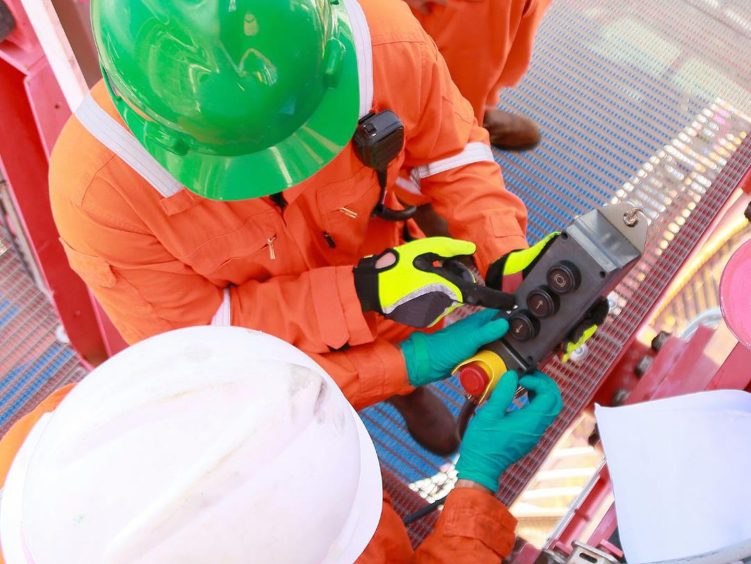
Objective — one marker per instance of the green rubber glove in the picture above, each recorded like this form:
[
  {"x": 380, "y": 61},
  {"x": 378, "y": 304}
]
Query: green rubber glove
[
  {"x": 432, "y": 357},
  {"x": 495, "y": 438}
]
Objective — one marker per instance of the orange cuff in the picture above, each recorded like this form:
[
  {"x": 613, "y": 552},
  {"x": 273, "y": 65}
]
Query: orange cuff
[
  {"x": 360, "y": 331},
  {"x": 477, "y": 514},
  {"x": 337, "y": 307},
  {"x": 386, "y": 371}
]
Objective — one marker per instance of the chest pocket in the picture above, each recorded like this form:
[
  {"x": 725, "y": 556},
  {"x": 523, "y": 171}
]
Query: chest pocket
[
  {"x": 346, "y": 208},
  {"x": 246, "y": 253}
]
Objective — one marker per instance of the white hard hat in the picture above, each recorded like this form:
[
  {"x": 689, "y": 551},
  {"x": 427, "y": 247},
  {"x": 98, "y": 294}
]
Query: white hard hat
[{"x": 202, "y": 445}]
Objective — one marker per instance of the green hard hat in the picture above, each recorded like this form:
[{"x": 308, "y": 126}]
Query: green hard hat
[{"x": 235, "y": 98}]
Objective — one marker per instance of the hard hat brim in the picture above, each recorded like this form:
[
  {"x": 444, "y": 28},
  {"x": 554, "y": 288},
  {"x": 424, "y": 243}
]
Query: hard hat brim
[
  {"x": 356, "y": 534},
  {"x": 11, "y": 509},
  {"x": 364, "y": 512},
  {"x": 366, "y": 507},
  {"x": 274, "y": 169}
]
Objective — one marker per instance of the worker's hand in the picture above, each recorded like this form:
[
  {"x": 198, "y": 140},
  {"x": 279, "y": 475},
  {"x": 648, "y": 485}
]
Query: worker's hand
[
  {"x": 507, "y": 272},
  {"x": 424, "y": 6},
  {"x": 432, "y": 357},
  {"x": 418, "y": 283},
  {"x": 586, "y": 328},
  {"x": 495, "y": 438}
]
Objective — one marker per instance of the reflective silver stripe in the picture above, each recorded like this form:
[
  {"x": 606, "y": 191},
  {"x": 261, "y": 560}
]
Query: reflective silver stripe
[
  {"x": 364, "y": 51},
  {"x": 223, "y": 315},
  {"x": 474, "y": 152},
  {"x": 429, "y": 289},
  {"x": 122, "y": 142},
  {"x": 408, "y": 184}
]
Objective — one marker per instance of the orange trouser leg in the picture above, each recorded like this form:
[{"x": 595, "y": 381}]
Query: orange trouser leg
[
  {"x": 474, "y": 39},
  {"x": 16, "y": 435},
  {"x": 487, "y": 44}
]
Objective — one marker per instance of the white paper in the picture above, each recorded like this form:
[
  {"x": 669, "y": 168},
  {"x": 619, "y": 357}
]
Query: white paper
[{"x": 681, "y": 473}]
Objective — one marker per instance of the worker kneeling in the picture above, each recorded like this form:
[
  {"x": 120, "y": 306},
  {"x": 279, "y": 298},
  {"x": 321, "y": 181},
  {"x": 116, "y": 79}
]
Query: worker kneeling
[{"x": 227, "y": 445}]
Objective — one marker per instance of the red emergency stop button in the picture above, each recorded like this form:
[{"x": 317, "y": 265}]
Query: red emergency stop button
[{"x": 474, "y": 378}]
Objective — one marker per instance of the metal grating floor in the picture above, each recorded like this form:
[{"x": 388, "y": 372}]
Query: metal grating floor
[
  {"x": 645, "y": 101},
  {"x": 33, "y": 362}
]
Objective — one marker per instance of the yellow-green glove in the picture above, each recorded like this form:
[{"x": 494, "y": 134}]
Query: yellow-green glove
[
  {"x": 420, "y": 282},
  {"x": 508, "y": 272},
  {"x": 586, "y": 328}
]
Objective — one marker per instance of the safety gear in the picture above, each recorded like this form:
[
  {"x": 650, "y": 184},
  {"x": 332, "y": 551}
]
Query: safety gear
[
  {"x": 378, "y": 141},
  {"x": 431, "y": 356},
  {"x": 499, "y": 44},
  {"x": 586, "y": 328},
  {"x": 496, "y": 438},
  {"x": 420, "y": 282},
  {"x": 230, "y": 106},
  {"x": 203, "y": 445},
  {"x": 508, "y": 272},
  {"x": 463, "y": 543},
  {"x": 161, "y": 259}
]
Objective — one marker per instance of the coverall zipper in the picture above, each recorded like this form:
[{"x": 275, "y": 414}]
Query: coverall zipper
[
  {"x": 270, "y": 245},
  {"x": 280, "y": 202},
  {"x": 329, "y": 240}
]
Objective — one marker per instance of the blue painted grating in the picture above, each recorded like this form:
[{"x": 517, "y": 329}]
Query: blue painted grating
[{"x": 33, "y": 362}]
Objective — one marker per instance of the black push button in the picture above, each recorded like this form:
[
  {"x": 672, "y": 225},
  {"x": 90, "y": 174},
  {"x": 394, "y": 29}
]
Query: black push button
[
  {"x": 564, "y": 277},
  {"x": 542, "y": 302},
  {"x": 522, "y": 326}
]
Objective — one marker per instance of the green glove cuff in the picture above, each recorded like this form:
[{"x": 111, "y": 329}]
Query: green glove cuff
[
  {"x": 496, "y": 438},
  {"x": 417, "y": 358},
  {"x": 431, "y": 356},
  {"x": 489, "y": 480}
]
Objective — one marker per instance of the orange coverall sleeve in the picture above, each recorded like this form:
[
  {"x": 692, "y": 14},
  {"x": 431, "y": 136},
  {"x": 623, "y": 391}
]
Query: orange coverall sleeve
[
  {"x": 474, "y": 528},
  {"x": 441, "y": 128},
  {"x": 145, "y": 291}
]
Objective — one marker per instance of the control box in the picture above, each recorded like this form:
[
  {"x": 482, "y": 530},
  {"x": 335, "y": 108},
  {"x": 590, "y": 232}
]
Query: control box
[{"x": 582, "y": 265}]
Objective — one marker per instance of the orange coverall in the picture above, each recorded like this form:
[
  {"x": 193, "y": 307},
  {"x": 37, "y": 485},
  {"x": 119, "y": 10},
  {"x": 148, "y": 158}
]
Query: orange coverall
[
  {"x": 487, "y": 44},
  {"x": 158, "y": 263},
  {"x": 474, "y": 527}
]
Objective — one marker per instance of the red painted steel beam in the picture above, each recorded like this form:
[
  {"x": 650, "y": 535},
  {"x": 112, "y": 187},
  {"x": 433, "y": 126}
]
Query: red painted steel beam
[
  {"x": 680, "y": 367},
  {"x": 23, "y": 162},
  {"x": 583, "y": 513}
]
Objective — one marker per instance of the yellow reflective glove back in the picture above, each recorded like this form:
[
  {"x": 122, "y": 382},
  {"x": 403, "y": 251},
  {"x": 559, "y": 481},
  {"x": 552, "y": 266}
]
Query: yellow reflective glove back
[
  {"x": 586, "y": 328},
  {"x": 420, "y": 282}
]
